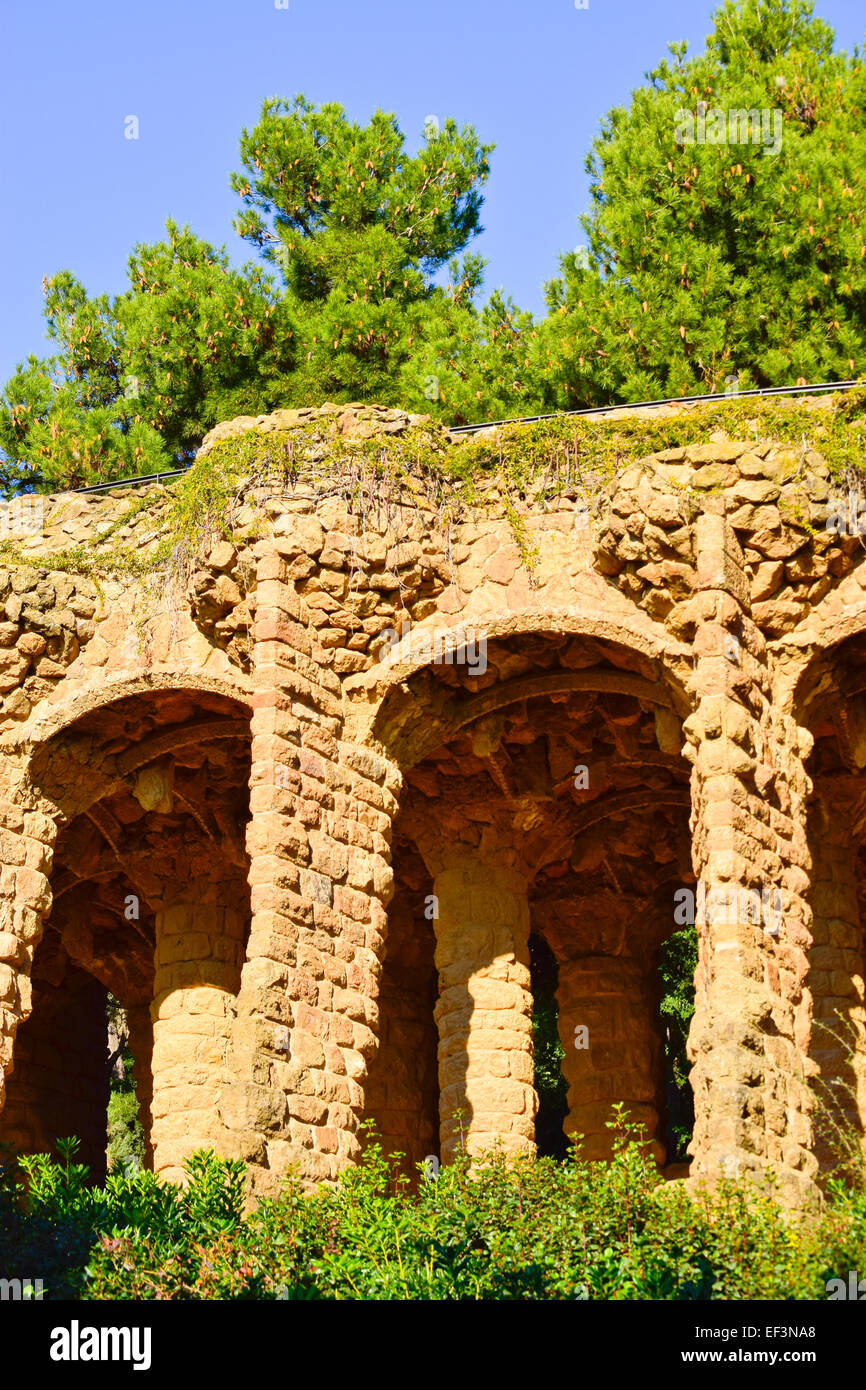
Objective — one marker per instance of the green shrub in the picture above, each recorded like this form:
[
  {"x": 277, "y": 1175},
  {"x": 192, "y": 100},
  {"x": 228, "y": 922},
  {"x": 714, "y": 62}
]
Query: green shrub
[
  {"x": 533, "y": 1229},
  {"x": 126, "y": 1146}
]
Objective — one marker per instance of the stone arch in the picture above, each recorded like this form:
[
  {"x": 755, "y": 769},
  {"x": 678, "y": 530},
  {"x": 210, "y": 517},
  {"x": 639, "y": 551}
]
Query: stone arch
[
  {"x": 840, "y": 616},
  {"x": 390, "y": 683},
  {"x": 830, "y": 705},
  {"x": 49, "y": 720},
  {"x": 371, "y": 692},
  {"x": 142, "y": 799},
  {"x": 490, "y": 887}
]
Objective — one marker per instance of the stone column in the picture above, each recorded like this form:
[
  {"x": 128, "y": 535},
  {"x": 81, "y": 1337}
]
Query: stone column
[
  {"x": 617, "y": 1058},
  {"x": 484, "y": 1011},
  {"x": 318, "y": 841},
  {"x": 26, "y": 849},
  {"x": 749, "y": 848},
  {"x": 199, "y": 945}
]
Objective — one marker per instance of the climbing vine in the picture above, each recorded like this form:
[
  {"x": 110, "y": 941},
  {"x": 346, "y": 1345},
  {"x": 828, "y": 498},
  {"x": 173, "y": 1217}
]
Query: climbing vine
[{"x": 506, "y": 468}]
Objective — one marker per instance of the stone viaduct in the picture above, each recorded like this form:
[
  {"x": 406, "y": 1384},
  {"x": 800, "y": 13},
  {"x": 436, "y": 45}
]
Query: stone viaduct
[{"x": 299, "y": 799}]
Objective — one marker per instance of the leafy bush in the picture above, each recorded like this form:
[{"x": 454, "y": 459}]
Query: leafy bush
[
  {"x": 517, "y": 1229},
  {"x": 125, "y": 1134}
]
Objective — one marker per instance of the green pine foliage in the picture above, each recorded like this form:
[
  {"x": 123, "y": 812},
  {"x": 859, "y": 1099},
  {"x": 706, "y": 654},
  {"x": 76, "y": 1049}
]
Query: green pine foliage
[
  {"x": 474, "y": 362},
  {"x": 125, "y": 1134},
  {"x": 359, "y": 228},
  {"x": 136, "y": 381},
  {"x": 707, "y": 260},
  {"x": 706, "y": 264},
  {"x": 126, "y": 1146}
]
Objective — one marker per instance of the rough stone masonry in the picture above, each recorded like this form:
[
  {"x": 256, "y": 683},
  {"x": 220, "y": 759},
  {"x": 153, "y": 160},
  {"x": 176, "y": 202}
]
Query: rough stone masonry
[{"x": 305, "y": 844}]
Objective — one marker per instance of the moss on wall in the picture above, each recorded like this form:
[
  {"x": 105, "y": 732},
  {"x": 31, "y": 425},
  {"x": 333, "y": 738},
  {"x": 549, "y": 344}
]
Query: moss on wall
[{"x": 504, "y": 467}]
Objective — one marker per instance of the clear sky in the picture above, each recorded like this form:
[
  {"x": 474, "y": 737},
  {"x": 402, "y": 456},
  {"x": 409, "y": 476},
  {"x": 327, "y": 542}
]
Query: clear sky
[{"x": 533, "y": 76}]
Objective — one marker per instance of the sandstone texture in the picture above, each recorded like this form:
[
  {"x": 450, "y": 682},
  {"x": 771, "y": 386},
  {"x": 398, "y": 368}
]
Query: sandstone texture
[{"x": 300, "y": 799}]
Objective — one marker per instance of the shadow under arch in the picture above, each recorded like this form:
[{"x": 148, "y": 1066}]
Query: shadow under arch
[
  {"x": 401, "y": 1092},
  {"x": 51, "y": 719},
  {"x": 498, "y": 748},
  {"x": 626, "y": 664},
  {"x": 148, "y": 789},
  {"x": 830, "y": 703}
]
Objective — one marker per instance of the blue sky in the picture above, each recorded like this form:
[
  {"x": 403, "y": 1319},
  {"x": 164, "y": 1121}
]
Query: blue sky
[{"x": 534, "y": 76}]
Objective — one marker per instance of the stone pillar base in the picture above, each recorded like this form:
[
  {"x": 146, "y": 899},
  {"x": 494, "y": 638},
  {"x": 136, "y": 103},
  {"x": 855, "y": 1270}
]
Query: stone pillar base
[
  {"x": 484, "y": 1012},
  {"x": 199, "y": 942}
]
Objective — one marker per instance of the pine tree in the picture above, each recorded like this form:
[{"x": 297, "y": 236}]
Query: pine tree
[
  {"x": 344, "y": 301},
  {"x": 719, "y": 252},
  {"x": 472, "y": 363},
  {"x": 136, "y": 381},
  {"x": 716, "y": 265},
  {"x": 359, "y": 229}
]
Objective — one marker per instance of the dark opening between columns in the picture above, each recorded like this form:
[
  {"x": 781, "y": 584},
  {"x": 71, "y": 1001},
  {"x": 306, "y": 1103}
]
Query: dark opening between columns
[
  {"x": 678, "y": 959},
  {"x": 550, "y": 1085},
  {"x": 126, "y": 1144}
]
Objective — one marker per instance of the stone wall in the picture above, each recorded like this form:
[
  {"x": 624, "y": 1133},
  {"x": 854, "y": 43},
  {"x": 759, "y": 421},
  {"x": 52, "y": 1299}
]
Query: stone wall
[
  {"x": 299, "y": 797},
  {"x": 60, "y": 1084}
]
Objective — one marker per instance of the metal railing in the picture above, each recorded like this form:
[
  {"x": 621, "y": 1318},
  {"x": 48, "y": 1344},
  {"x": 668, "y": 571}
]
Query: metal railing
[{"x": 817, "y": 388}]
